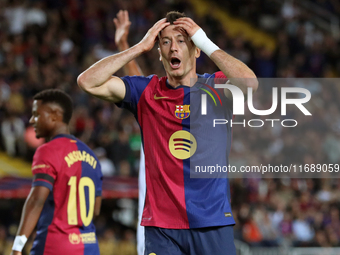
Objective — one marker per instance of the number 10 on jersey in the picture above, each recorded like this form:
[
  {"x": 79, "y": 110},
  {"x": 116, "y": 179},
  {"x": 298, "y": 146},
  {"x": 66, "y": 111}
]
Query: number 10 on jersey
[{"x": 72, "y": 215}]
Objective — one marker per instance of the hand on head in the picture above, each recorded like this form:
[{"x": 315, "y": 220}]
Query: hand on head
[
  {"x": 188, "y": 25},
  {"x": 150, "y": 38},
  {"x": 185, "y": 24}
]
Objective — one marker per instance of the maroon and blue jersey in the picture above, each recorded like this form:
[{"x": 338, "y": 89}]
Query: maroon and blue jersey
[
  {"x": 177, "y": 139},
  {"x": 72, "y": 173}
]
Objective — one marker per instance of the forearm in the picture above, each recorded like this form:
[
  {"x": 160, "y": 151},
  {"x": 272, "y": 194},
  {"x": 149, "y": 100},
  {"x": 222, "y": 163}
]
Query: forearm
[
  {"x": 102, "y": 71},
  {"x": 30, "y": 216},
  {"x": 236, "y": 71},
  {"x": 131, "y": 68}
]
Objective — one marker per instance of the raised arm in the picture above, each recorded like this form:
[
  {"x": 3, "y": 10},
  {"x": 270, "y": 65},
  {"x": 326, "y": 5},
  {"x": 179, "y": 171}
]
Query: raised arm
[
  {"x": 98, "y": 81},
  {"x": 237, "y": 72},
  {"x": 31, "y": 213},
  {"x": 122, "y": 24}
]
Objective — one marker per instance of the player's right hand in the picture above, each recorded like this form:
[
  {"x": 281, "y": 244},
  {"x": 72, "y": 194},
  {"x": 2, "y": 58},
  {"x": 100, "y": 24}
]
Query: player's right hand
[{"x": 150, "y": 38}]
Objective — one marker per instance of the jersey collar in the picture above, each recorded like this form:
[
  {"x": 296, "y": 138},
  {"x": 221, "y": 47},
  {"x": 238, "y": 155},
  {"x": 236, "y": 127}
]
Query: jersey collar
[{"x": 197, "y": 84}]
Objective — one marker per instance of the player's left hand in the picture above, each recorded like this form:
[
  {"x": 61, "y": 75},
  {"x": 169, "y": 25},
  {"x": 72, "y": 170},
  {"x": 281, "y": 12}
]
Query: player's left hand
[
  {"x": 188, "y": 25},
  {"x": 16, "y": 253}
]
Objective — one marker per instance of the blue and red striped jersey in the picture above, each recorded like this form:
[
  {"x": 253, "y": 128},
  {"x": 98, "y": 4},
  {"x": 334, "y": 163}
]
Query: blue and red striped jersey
[
  {"x": 72, "y": 172},
  {"x": 176, "y": 138}
]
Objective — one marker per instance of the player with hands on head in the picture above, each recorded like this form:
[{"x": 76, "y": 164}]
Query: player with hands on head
[
  {"x": 182, "y": 215},
  {"x": 122, "y": 24},
  {"x": 66, "y": 188}
]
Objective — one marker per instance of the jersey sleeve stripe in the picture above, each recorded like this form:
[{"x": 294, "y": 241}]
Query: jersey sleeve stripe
[
  {"x": 43, "y": 176},
  {"x": 43, "y": 183}
]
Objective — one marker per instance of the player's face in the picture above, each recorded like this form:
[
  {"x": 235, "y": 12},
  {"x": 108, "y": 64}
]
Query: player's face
[
  {"x": 178, "y": 53},
  {"x": 41, "y": 119}
]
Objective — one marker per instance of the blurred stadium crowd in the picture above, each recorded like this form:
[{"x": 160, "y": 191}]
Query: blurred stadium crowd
[{"x": 47, "y": 44}]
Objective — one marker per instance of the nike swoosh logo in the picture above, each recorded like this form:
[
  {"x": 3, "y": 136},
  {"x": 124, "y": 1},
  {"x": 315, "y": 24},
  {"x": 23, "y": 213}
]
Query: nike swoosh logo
[{"x": 156, "y": 97}]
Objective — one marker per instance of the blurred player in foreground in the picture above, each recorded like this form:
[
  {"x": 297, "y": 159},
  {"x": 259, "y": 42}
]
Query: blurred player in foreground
[
  {"x": 182, "y": 215},
  {"x": 66, "y": 188},
  {"x": 122, "y": 24}
]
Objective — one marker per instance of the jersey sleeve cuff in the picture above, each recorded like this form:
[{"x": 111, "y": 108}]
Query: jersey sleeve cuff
[
  {"x": 42, "y": 183},
  {"x": 127, "y": 97},
  {"x": 98, "y": 193},
  {"x": 42, "y": 179}
]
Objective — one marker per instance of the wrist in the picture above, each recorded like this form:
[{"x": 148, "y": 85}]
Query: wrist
[
  {"x": 19, "y": 243},
  {"x": 141, "y": 48},
  {"x": 202, "y": 41}
]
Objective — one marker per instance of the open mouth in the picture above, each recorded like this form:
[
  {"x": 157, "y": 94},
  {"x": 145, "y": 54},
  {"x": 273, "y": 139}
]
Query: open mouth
[{"x": 175, "y": 62}]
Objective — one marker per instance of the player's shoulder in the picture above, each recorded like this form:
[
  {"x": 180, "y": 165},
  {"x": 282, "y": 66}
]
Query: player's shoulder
[
  {"x": 81, "y": 146},
  {"x": 46, "y": 153},
  {"x": 154, "y": 79},
  {"x": 46, "y": 148}
]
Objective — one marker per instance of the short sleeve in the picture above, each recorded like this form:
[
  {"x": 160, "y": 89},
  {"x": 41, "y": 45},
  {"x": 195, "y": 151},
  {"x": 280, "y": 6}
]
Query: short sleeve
[
  {"x": 220, "y": 78},
  {"x": 220, "y": 75},
  {"x": 43, "y": 168},
  {"x": 135, "y": 86}
]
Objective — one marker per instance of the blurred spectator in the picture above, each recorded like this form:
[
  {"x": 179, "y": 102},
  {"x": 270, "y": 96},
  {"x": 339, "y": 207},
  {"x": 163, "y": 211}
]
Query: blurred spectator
[
  {"x": 5, "y": 92},
  {"x": 124, "y": 168},
  {"x": 120, "y": 149},
  {"x": 16, "y": 100},
  {"x": 108, "y": 168},
  {"x": 35, "y": 15},
  {"x": 12, "y": 131},
  {"x": 127, "y": 245},
  {"x": 252, "y": 233},
  {"x": 108, "y": 243},
  {"x": 15, "y": 15},
  {"x": 286, "y": 228},
  {"x": 270, "y": 235},
  {"x": 126, "y": 214},
  {"x": 5, "y": 245},
  {"x": 302, "y": 231}
]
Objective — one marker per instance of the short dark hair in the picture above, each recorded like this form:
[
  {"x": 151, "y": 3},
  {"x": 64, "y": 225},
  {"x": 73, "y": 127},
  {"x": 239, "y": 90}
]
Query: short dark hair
[
  {"x": 174, "y": 15},
  {"x": 171, "y": 17},
  {"x": 59, "y": 97}
]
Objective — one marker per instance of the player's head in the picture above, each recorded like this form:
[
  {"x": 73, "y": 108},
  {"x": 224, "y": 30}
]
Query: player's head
[
  {"x": 177, "y": 52},
  {"x": 51, "y": 112},
  {"x": 173, "y": 16}
]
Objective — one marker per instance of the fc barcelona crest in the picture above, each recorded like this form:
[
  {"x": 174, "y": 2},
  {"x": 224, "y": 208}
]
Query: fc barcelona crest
[{"x": 182, "y": 111}]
